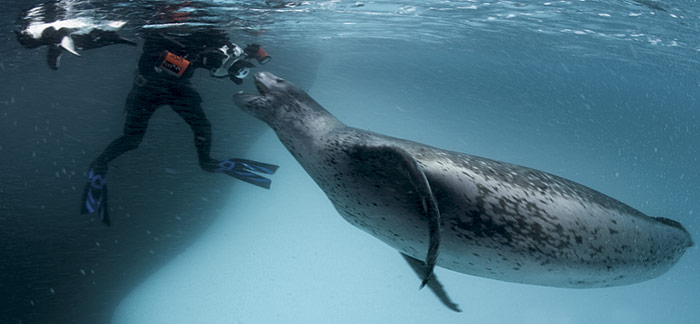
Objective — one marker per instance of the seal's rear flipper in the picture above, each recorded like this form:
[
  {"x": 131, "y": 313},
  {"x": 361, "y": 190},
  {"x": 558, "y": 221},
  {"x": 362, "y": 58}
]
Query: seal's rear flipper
[
  {"x": 392, "y": 166},
  {"x": 433, "y": 283},
  {"x": 243, "y": 169}
]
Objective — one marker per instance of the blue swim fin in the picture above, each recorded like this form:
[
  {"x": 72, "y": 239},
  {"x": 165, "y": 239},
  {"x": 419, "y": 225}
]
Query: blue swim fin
[
  {"x": 243, "y": 169},
  {"x": 95, "y": 196}
]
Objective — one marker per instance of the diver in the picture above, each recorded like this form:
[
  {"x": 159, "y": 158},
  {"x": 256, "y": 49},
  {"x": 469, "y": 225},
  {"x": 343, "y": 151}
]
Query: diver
[{"x": 167, "y": 62}]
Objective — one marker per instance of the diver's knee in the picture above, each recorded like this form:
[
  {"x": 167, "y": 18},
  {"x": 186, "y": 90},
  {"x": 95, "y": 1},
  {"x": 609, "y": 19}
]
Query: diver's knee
[
  {"x": 202, "y": 127},
  {"x": 131, "y": 142},
  {"x": 202, "y": 141}
]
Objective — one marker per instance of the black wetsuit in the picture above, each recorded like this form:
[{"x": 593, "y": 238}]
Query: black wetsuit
[{"x": 153, "y": 89}]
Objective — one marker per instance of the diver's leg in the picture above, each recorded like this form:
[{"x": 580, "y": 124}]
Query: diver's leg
[
  {"x": 99, "y": 38},
  {"x": 189, "y": 107},
  {"x": 139, "y": 109}
]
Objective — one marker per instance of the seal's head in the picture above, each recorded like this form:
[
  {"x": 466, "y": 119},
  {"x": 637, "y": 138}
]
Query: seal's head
[
  {"x": 267, "y": 82},
  {"x": 278, "y": 99}
]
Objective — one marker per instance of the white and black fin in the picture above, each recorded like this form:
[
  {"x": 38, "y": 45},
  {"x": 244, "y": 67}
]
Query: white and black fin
[
  {"x": 433, "y": 283},
  {"x": 404, "y": 178},
  {"x": 53, "y": 58},
  {"x": 68, "y": 45}
]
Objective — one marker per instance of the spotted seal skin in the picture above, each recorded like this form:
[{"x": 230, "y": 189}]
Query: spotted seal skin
[{"x": 497, "y": 220}]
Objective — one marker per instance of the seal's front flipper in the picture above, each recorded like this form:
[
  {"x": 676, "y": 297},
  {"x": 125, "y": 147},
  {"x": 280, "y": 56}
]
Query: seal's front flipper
[
  {"x": 393, "y": 165},
  {"x": 95, "y": 196},
  {"x": 433, "y": 283},
  {"x": 53, "y": 59},
  {"x": 243, "y": 169}
]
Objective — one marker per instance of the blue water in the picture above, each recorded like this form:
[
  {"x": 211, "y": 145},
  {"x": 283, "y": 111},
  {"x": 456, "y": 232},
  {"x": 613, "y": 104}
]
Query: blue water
[{"x": 605, "y": 93}]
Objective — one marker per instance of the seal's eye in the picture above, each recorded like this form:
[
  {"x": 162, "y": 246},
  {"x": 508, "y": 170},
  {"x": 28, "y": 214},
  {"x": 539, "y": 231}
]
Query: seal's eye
[{"x": 279, "y": 80}]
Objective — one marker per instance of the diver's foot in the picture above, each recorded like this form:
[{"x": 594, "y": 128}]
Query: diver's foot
[
  {"x": 95, "y": 194},
  {"x": 210, "y": 166},
  {"x": 243, "y": 169}
]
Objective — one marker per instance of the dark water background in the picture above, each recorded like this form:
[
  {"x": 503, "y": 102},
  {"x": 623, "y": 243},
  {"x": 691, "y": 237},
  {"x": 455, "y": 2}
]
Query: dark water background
[{"x": 605, "y": 93}]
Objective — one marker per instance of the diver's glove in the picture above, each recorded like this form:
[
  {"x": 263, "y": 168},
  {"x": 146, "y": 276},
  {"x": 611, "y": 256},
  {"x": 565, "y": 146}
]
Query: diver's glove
[
  {"x": 239, "y": 71},
  {"x": 257, "y": 52}
]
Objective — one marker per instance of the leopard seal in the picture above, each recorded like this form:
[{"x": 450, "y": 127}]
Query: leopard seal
[{"x": 488, "y": 218}]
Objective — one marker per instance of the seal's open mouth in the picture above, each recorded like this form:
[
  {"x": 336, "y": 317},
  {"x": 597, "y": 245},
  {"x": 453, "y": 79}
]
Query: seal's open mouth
[
  {"x": 264, "y": 81},
  {"x": 260, "y": 86}
]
